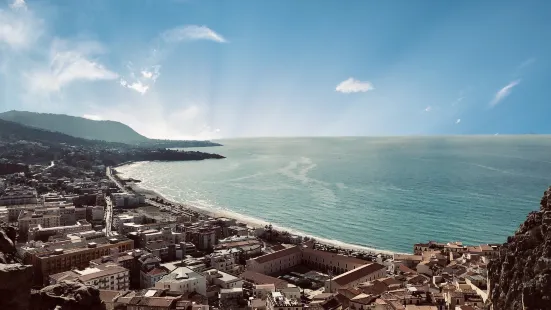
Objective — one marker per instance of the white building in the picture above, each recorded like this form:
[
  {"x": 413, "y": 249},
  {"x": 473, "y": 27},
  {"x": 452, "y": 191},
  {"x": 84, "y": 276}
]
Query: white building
[
  {"x": 97, "y": 212},
  {"x": 127, "y": 200},
  {"x": 223, "y": 262},
  {"x": 183, "y": 280},
  {"x": 106, "y": 277},
  {"x": 222, "y": 279},
  {"x": 120, "y": 219},
  {"x": 44, "y": 219},
  {"x": 278, "y": 301}
]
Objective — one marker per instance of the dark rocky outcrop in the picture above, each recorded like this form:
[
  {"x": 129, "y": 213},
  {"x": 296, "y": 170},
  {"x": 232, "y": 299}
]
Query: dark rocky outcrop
[
  {"x": 520, "y": 278},
  {"x": 67, "y": 295},
  {"x": 15, "y": 286}
]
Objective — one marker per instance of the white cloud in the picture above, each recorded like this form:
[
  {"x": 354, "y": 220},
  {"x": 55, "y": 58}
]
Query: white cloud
[
  {"x": 527, "y": 63},
  {"x": 192, "y": 32},
  {"x": 65, "y": 67},
  {"x": 18, "y": 5},
  {"x": 428, "y": 108},
  {"x": 93, "y": 117},
  {"x": 19, "y": 28},
  {"x": 354, "y": 86},
  {"x": 141, "y": 80},
  {"x": 504, "y": 92},
  {"x": 137, "y": 86},
  {"x": 458, "y": 121}
]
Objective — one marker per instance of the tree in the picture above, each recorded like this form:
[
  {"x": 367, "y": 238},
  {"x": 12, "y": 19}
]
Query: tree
[{"x": 304, "y": 283}]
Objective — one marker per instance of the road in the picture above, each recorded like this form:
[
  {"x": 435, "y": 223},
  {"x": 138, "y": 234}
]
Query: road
[
  {"x": 109, "y": 202},
  {"x": 108, "y": 216}
]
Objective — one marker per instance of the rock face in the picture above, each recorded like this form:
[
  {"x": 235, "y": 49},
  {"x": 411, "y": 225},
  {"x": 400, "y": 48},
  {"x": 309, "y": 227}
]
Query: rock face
[
  {"x": 67, "y": 295},
  {"x": 521, "y": 277},
  {"x": 15, "y": 286},
  {"x": 15, "y": 279}
]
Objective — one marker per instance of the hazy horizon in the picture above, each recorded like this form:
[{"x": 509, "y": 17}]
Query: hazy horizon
[{"x": 194, "y": 69}]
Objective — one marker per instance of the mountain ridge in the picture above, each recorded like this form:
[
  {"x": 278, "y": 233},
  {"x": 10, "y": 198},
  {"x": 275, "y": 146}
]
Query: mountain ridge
[{"x": 79, "y": 127}]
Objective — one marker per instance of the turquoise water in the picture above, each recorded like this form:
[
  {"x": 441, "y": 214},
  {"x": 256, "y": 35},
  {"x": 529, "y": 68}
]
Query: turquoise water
[{"x": 381, "y": 193}]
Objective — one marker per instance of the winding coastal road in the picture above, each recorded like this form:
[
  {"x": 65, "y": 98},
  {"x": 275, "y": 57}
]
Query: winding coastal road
[{"x": 109, "y": 202}]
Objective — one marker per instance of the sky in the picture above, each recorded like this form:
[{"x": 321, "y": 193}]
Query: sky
[{"x": 200, "y": 69}]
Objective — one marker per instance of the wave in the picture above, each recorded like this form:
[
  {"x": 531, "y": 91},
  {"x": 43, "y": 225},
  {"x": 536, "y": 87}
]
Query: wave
[{"x": 215, "y": 210}]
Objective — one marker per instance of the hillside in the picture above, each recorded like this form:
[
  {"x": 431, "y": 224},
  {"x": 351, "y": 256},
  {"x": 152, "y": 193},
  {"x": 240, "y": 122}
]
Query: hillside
[
  {"x": 11, "y": 132},
  {"x": 76, "y": 126}
]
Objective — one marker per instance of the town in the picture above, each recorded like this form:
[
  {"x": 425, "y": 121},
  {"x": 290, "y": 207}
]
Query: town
[{"x": 89, "y": 225}]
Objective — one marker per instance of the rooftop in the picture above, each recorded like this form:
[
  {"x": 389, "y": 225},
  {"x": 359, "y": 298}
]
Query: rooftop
[
  {"x": 357, "y": 273},
  {"x": 259, "y": 278},
  {"x": 276, "y": 255}
]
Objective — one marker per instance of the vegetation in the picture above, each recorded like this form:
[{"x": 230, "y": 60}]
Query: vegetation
[
  {"x": 79, "y": 127},
  {"x": 23, "y": 144}
]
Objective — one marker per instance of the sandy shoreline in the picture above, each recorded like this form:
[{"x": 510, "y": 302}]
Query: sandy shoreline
[{"x": 253, "y": 222}]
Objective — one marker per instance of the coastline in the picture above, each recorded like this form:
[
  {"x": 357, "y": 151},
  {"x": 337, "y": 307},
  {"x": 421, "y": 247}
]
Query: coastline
[{"x": 253, "y": 222}]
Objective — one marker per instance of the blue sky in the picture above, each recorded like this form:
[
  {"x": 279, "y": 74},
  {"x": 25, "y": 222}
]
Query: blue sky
[{"x": 218, "y": 69}]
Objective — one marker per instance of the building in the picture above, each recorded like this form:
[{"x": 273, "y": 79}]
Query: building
[
  {"x": 119, "y": 219},
  {"x": 278, "y": 301},
  {"x": 295, "y": 255},
  {"x": 183, "y": 280},
  {"x": 165, "y": 234},
  {"x": 411, "y": 261},
  {"x": 222, "y": 279},
  {"x": 95, "y": 213},
  {"x": 204, "y": 238},
  {"x": 37, "y": 232},
  {"x": 261, "y": 291},
  {"x": 166, "y": 251},
  {"x": 55, "y": 257},
  {"x": 327, "y": 261},
  {"x": 151, "y": 270},
  {"x": 46, "y": 219},
  {"x": 224, "y": 262},
  {"x": 18, "y": 195},
  {"x": 4, "y": 215},
  {"x": 67, "y": 215},
  {"x": 276, "y": 261},
  {"x": 356, "y": 276},
  {"x": 261, "y": 279},
  {"x": 106, "y": 277},
  {"x": 127, "y": 200}
]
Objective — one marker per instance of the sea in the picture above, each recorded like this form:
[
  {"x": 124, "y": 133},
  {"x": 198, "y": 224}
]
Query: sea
[{"x": 375, "y": 193}]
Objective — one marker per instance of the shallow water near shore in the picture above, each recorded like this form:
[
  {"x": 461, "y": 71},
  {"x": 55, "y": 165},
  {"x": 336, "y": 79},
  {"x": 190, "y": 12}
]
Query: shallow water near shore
[{"x": 379, "y": 193}]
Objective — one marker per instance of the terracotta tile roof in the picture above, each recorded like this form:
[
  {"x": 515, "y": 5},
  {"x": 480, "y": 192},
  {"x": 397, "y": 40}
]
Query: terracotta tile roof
[
  {"x": 153, "y": 301},
  {"x": 156, "y": 271},
  {"x": 357, "y": 273},
  {"x": 108, "y": 295},
  {"x": 278, "y": 247},
  {"x": 405, "y": 269},
  {"x": 276, "y": 255},
  {"x": 259, "y": 278}
]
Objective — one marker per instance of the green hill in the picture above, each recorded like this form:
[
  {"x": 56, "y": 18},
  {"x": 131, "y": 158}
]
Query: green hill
[{"x": 76, "y": 126}]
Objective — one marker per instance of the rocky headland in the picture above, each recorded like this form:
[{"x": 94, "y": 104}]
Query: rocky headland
[{"x": 520, "y": 278}]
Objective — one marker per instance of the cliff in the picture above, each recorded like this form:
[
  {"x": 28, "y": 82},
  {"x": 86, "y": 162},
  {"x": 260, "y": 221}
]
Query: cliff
[{"x": 520, "y": 278}]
